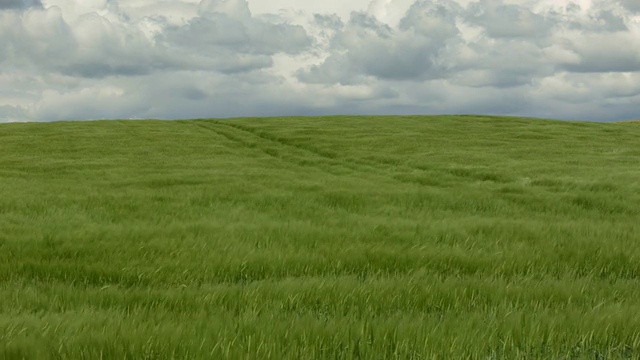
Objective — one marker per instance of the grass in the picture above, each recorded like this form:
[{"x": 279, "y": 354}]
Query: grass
[{"x": 326, "y": 238}]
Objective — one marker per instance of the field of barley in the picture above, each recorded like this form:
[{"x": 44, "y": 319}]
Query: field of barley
[{"x": 417, "y": 237}]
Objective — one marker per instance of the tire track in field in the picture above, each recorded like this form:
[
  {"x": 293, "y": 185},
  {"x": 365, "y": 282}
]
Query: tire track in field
[
  {"x": 224, "y": 134},
  {"x": 369, "y": 168},
  {"x": 233, "y": 136},
  {"x": 357, "y": 165},
  {"x": 281, "y": 141},
  {"x": 326, "y": 157},
  {"x": 328, "y": 163}
]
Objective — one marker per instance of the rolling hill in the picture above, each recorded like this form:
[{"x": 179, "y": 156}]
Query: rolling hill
[{"x": 329, "y": 237}]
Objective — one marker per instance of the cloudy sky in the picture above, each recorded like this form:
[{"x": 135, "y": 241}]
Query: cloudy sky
[{"x": 95, "y": 59}]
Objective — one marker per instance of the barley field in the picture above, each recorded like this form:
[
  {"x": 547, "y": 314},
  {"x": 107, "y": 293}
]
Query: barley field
[{"x": 416, "y": 237}]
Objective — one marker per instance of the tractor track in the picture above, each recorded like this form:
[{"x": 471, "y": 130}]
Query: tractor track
[{"x": 325, "y": 161}]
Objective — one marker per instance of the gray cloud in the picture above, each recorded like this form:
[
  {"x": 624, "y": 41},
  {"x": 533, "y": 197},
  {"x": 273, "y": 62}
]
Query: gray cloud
[
  {"x": 368, "y": 47},
  {"x": 19, "y": 4},
  {"x": 332, "y": 22},
  {"x": 501, "y": 20},
  {"x": 607, "y": 20},
  {"x": 102, "y": 69},
  {"x": 229, "y": 24},
  {"x": 143, "y": 58},
  {"x": 14, "y": 113},
  {"x": 11, "y": 4},
  {"x": 252, "y": 36},
  {"x": 97, "y": 46},
  {"x": 605, "y": 53},
  {"x": 631, "y": 5}
]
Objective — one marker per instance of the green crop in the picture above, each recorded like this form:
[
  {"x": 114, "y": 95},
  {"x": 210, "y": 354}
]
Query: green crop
[{"x": 417, "y": 237}]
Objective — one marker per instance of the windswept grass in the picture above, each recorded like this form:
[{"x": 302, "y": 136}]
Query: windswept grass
[{"x": 336, "y": 237}]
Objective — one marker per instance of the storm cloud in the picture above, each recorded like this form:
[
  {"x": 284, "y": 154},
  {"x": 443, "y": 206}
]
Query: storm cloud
[{"x": 92, "y": 59}]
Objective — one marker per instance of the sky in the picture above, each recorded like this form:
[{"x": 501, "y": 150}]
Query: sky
[{"x": 172, "y": 59}]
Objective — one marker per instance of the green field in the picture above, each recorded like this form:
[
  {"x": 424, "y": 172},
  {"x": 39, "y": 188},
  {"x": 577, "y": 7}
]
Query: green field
[{"x": 320, "y": 238}]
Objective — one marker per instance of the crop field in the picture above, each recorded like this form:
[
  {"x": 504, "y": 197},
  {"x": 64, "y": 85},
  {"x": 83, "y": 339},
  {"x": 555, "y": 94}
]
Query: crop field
[{"x": 423, "y": 237}]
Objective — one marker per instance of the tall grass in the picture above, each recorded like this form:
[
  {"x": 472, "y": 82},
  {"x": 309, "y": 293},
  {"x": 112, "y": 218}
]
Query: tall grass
[{"x": 334, "y": 237}]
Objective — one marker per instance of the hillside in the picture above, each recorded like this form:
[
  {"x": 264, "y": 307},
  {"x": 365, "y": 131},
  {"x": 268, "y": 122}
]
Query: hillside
[{"x": 331, "y": 237}]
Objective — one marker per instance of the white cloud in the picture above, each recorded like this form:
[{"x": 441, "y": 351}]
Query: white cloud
[{"x": 88, "y": 59}]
